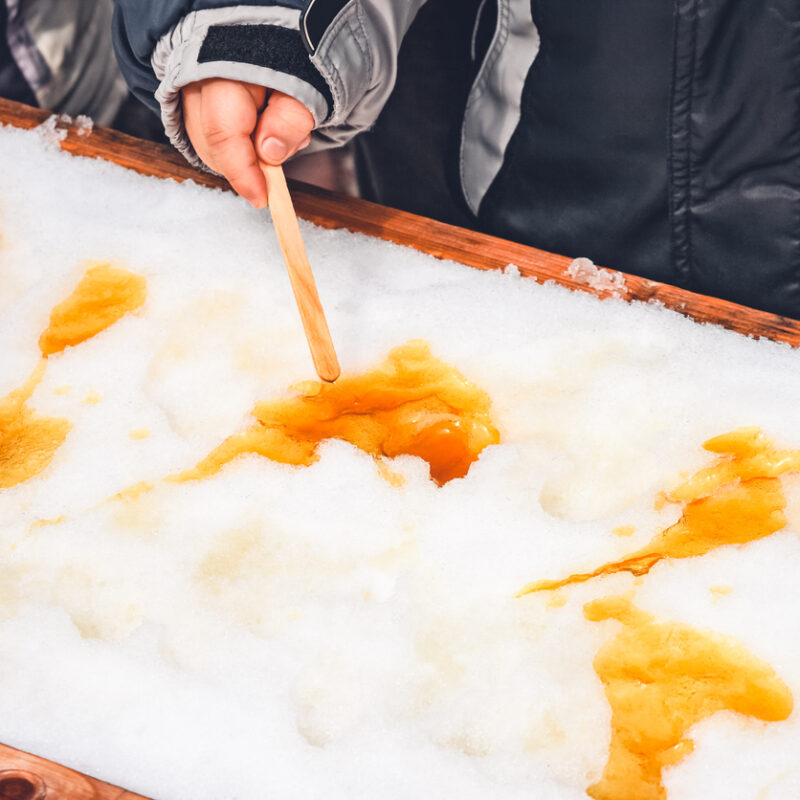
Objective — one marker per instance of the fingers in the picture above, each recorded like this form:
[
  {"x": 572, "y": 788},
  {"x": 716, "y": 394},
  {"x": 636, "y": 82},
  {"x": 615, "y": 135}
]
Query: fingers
[
  {"x": 284, "y": 128},
  {"x": 223, "y": 124},
  {"x": 220, "y": 116}
]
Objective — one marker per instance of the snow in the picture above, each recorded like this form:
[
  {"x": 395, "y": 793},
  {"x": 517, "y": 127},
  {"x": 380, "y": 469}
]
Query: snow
[
  {"x": 290, "y": 632},
  {"x": 583, "y": 270}
]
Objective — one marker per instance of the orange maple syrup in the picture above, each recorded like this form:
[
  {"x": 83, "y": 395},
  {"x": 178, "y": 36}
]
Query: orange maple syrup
[
  {"x": 412, "y": 404},
  {"x": 736, "y": 500},
  {"x": 661, "y": 678},
  {"x": 103, "y": 295},
  {"x": 28, "y": 440}
]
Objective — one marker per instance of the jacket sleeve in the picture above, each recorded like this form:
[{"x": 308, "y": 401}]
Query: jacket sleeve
[{"x": 337, "y": 57}]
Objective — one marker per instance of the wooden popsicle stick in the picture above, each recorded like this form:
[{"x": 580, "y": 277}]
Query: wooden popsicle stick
[{"x": 302, "y": 279}]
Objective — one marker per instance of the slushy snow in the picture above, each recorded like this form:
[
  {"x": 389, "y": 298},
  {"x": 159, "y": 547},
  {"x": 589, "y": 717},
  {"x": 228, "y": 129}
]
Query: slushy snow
[{"x": 290, "y": 632}]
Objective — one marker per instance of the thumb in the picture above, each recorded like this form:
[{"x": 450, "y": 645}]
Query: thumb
[{"x": 284, "y": 128}]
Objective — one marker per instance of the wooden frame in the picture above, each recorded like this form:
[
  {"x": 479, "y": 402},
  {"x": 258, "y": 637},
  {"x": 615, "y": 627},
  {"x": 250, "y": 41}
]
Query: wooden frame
[
  {"x": 332, "y": 210},
  {"x": 26, "y": 777}
]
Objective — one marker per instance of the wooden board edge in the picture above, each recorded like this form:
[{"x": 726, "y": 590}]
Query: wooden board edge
[
  {"x": 30, "y": 777},
  {"x": 332, "y": 210}
]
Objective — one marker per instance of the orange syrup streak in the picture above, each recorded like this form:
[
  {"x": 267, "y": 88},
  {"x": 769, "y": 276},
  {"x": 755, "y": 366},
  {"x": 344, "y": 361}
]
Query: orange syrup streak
[
  {"x": 411, "y": 404},
  {"x": 661, "y": 678},
  {"x": 103, "y": 296},
  {"x": 738, "y": 499},
  {"x": 28, "y": 440}
]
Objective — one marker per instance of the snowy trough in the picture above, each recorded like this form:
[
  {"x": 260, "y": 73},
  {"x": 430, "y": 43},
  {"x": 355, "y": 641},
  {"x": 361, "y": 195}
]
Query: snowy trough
[{"x": 337, "y": 623}]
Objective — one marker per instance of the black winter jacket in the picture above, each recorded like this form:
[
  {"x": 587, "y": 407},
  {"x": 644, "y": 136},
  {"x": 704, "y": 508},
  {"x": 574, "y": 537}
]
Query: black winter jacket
[{"x": 662, "y": 139}]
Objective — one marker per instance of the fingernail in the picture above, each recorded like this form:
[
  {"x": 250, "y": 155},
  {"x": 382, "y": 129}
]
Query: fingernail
[{"x": 274, "y": 149}]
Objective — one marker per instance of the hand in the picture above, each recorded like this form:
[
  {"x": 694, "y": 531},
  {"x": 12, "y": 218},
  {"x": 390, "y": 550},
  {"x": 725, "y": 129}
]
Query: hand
[{"x": 229, "y": 131}]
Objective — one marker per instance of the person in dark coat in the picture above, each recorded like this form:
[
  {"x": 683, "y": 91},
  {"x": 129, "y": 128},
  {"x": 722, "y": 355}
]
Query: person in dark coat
[
  {"x": 662, "y": 139},
  {"x": 57, "y": 54}
]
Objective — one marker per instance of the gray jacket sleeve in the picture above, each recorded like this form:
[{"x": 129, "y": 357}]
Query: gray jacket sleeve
[{"x": 337, "y": 57}]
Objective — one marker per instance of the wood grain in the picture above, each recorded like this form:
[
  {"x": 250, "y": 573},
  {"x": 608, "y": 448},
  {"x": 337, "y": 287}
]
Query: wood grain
[
  {"x": 27, "y": 777},
  {"x": 332, "y": 210},
  {"x": 301, "y": 277}
]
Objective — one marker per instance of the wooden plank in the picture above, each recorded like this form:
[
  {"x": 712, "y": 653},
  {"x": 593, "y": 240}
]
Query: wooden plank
[
  {"x": 27, "y": 773},
  {"x": 332, "y": 210},
  {"x": 27, "y": 777}
]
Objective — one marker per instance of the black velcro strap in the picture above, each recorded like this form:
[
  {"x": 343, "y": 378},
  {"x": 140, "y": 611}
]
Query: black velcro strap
[
  {"x": 269, "y": 46},
  {"x": 315, "y": 20}
]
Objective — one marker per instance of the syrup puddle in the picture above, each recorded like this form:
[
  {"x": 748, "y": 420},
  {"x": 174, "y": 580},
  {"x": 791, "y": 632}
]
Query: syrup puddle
[
  {"x": 661, "y": 678},
  {"x": 103, "y": 296},
  {"x": 28, "y": 440},
  {"x": 736, "y": 500},
  {"x": 411, "y": 404}
]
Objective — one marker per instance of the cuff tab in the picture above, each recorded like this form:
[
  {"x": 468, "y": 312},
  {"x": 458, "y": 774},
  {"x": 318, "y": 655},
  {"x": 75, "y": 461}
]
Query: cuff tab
[
  {"x": 316, "y": 19},
  {"x": 270, "y": 46}
]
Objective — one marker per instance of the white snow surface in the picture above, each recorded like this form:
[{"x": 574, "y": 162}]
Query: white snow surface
[{"x": 290, "y": 632}]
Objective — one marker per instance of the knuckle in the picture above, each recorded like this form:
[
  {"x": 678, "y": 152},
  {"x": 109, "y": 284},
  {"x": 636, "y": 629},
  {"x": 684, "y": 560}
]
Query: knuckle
[
  {"x": 292, "y": 116},
  {"x": 216, "y": 135},
  {"x": 299, "y": 119}
]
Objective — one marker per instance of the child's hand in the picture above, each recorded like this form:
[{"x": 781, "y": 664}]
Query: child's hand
[{"x": 223, "y": 123}]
